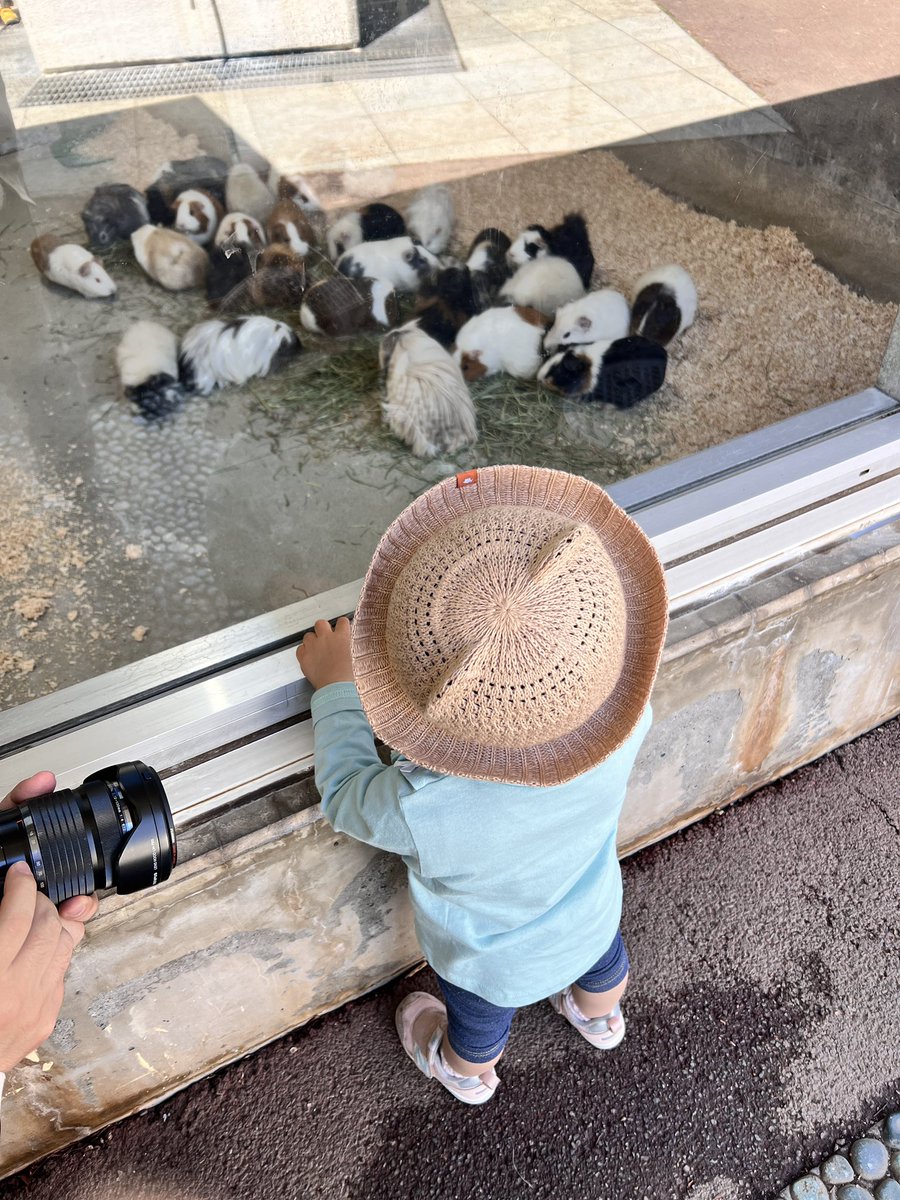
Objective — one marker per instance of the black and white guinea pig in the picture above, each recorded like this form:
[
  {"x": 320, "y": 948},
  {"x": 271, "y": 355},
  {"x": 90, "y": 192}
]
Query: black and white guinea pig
[
  {"x": 445, "y": 302},
  {"x": 430, "y": 217},
  {"x": 197, "y": 215},
  {"x": 338, "y": 306},
  {"x": 545, "y": 283},
  {"x": 241, "y": 230},
  {"x": 245, "y": 192},
  {"x": 289, "y": 225},
  {"x": 426, "y": 403},
  {"x": 399, "y": 261},
  {"x": 229, "y": 266},
  {"x": 204, "y": 172},
  {"x": 597, "y": 317},
  {"x": 279, "y": 281},
  {"x": 501, "y": 339},
  {"x": 487, "y": 262},
  {"x": 621, "y": 372},
  {"x": 170, "y": 258},
  {"x": 567, "y": 240},
  {"x": 71, "y": 267},
  {"x": 113, "y": 213},
  {"x": 217, "y": 353},
  {"x": 294, "y": 187},
  {"x": 373, "y": 223},
  {"x": 147, "y": 358},
  {"x": 665, "y": 304}
]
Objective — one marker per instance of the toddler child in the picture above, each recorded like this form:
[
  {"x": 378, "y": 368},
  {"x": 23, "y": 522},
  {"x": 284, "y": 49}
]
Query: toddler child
[{"x": 505, "y": 643}]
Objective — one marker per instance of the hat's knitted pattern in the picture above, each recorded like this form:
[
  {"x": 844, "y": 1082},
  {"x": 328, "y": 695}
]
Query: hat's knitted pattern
[{"x": 511, "y": 629}]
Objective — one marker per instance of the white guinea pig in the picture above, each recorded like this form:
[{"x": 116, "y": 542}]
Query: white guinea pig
[
  {"x": 398, "y": 261},
  {"x": 216, "y": 353},
  {"x": 598, "y": 316},
  {"x": 545, "y": 283},
  {"x": 71, "y": 267},
  {"x": 170, "y": 258},
  {"x": 501, "y": 339},
  {"x": 241, "y": 229},
  {"x": 426, "y": 403},
  {"x": 197, "y": 215},
  {"x": 147, "y": 358},
  {"x": 430, "y": 217},
  {"x": 620, "y": 372},
  {"x": 665, "y": 303}
]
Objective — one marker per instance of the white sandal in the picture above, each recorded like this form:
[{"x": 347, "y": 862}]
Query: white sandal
[{"x": 471, "y": 1089}]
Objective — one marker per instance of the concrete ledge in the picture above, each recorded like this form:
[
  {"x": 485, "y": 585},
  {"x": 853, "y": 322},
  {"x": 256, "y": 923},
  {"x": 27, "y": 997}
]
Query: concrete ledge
[{"x": 274, "y": 918}]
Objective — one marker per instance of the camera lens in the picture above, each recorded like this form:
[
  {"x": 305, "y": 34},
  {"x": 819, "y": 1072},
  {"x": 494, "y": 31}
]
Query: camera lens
[{"x": 116, "y": 830}]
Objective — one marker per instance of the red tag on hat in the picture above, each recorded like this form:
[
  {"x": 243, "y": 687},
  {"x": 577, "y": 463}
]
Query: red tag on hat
[{"x": 467, "y": 479}]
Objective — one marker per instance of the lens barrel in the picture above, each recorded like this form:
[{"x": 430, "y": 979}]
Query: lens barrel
[{"x": 116, "y": 830}]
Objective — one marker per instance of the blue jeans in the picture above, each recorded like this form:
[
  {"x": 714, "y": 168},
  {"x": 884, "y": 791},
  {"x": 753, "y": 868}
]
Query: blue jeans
[{"x": 478, "y": 1030}]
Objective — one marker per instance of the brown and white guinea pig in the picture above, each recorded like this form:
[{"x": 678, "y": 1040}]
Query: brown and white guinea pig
[
  {"x": 229, "y": 266},
  {"x": 113, "y": 213},
  {"x": 399, "y": 261},
  {"x": 170, "y": 258},
  {"x": 279, "y": 281},
  {"x": 197, "y": 215},
  {"x": 71, "y": 267},
  {"x": 487, "y": 262},
  {"x": 294, "y": 187},
  {"x": 546, "y": 283},
  {"x": 217, "y": 353},
  {"x": 289, "y": 225},
  {"x": 426, "y": 402},
  {"x": 373, "y": 223},
  {"x": 204, "y": 172},
  {"x": 619, "y": 372},
  {"x": 597, "y": 317},
  {"x": 241, "y": 230},
  {"x": 567, "y": 240},
  {"x": 501, "y": 339},
  {"x": 245, "y": 192},
  {"x": 446, "y": 301},
  {"x": 430, "y": 217},
  {"x": 337, "y": 306},
  {"x": 665, "y": 304},
  {"x": 147, "y": 358}
]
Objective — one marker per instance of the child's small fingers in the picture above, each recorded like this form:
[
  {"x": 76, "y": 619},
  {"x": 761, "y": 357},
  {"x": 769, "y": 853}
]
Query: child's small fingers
[
  {"x": 322, "y": 627},
  {"x": 342, "y": 625}
]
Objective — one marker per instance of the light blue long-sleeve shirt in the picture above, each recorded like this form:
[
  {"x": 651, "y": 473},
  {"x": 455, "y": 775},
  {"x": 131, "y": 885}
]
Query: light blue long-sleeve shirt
[{"x": 516, "y": 890}]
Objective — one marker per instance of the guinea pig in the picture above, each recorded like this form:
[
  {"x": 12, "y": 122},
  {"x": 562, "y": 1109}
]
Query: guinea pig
[
  {"x": 170, "y": 258},
  {"x": 399, "y": 261},
  {"x": 567, "y": 240},
  {"x": 245, "y": 192},
  {"x": 229, "y": 266},
  {"x": 147, "y": 358},
  {"x": 665, "y": 304},
  {"x": 197, "y": 215},
  {"x": 373, "y": 223},
  {"x": 620, "y": 372},
  {"x": 113, "y": 213},
  {"x": 289, "y": 225},
  {"x": 599, "y": 316},
  {"x": 429, "y": 217},
  {"x": 487, "y": 262},
  {"x": 294, "y": 187},
  {"x": 337, "y": 306},
  {"x": 204, "y": 172},
  {"x": 279, "y": 281},
  {"x": 501, "y": 339},
  {"x": 71, "y": 267},
  {"x": 546, "y": 284},
  {"x": 216, "y": 353},
  {"x": 445, "y": 302},
  {"x": 426, "y": 403},
  {"x": 241, "y": 230}
]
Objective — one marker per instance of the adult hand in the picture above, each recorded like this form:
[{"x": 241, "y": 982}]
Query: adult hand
[{"x": 324, "y": 655}]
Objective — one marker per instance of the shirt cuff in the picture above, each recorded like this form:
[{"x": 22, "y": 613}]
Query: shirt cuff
[{"x": 335, "y": 697}]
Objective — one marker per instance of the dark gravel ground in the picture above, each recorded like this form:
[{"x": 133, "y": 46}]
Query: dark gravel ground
[{"x": 763, "y": 1029}]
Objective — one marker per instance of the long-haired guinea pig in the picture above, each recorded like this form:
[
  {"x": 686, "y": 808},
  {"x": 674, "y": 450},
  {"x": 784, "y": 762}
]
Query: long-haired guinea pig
[
  {"x": 147, "y": 358},
  {"x": 71, "y": 267},
  {"x": 501, "y": 339},
  {"x": 621, "y": 372},
  {"x": 204, "y": 172},
  {"x": 426, "y": 402},
  {"x": 545, "y": 283},
  {"x": 170, "y": 258},
  {"x": 487, "y": 262},
  {"x": 665, "y": 304},
  {"x": 294, "y": 187},
  {"x": 113, "y": 213},
  {"x": 430, "y": 216},
  {"x": 197, "y": 215},
  {"x": 279, "y": 281},
  {"x": 399, "y": 261},
  {"x": 567, "y": 240},
  {"x": 445, "y": 302},
  {"x": 229, "y": 266},
  {"x": 289, "y": 225},
  {"x": 373, "y": 223},
  {"x": 241, "y": 230},
  {"x": 337, "y": 306},
  {"x": 597, "y": 317},
  {"x": 216, "y": 353},
  {"x": 245, "y": 192}
]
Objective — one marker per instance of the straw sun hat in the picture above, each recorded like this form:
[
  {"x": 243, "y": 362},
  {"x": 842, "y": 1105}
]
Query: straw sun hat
[{"x": 510, "y": 627}]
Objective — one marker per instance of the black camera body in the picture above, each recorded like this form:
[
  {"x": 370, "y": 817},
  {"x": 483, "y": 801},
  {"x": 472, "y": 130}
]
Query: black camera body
[{"x": 116, "y": 830}]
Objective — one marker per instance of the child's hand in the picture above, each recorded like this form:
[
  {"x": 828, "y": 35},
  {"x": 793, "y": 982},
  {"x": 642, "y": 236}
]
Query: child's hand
[{"x": 324, "y": 656}]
